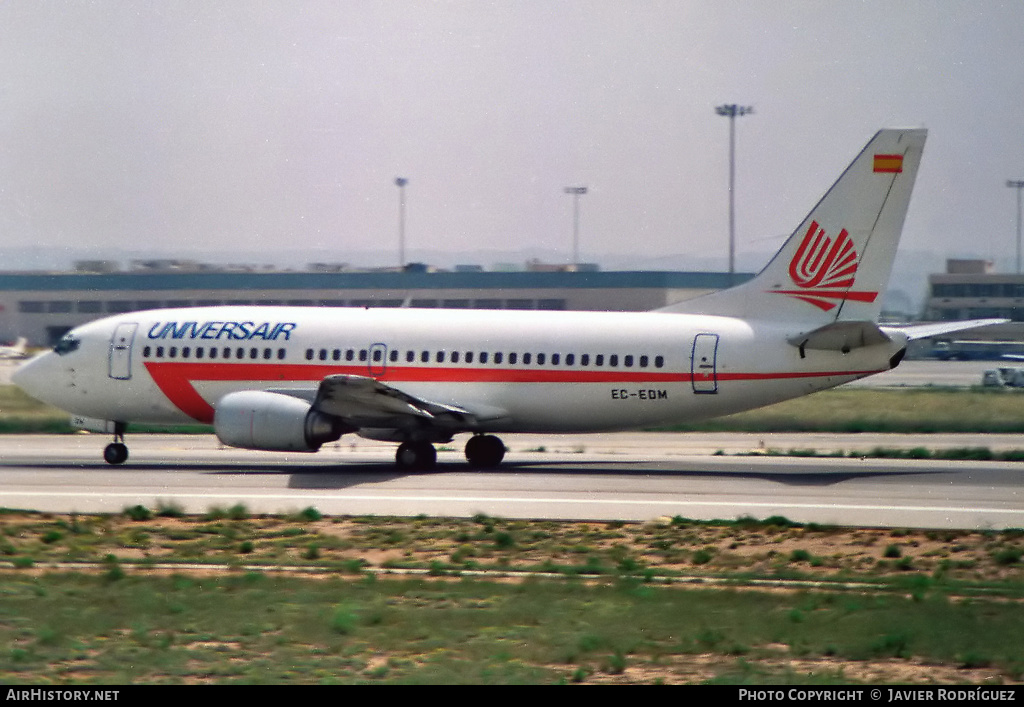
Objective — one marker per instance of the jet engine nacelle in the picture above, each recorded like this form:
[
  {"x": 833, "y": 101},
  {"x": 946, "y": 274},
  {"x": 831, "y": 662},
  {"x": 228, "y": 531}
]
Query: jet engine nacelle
[{"x": 274, "y": 422}]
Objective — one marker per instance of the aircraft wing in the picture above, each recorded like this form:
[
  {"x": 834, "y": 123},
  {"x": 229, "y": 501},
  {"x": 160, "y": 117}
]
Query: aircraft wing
[
  {"x": 368, "y": 403},
  {"x": 923, "y": 331}
]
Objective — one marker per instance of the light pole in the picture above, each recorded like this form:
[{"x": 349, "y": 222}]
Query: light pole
[
  {"x": 1018, "y": 185},
  {"x": 400, "y": 182},
  {"x": 731, "y": 111},
  {"x": 576, "y": 192}
]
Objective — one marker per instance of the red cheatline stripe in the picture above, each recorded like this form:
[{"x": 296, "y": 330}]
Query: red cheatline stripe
[
  {"x": 175, "y": 379},
  {"x": 857, "y": 296}
]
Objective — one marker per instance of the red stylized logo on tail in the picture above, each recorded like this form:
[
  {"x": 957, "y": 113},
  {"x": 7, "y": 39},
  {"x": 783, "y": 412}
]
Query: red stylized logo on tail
[
  {"x": 821, "y": 263},
  {"x": 824, "y": 269}
]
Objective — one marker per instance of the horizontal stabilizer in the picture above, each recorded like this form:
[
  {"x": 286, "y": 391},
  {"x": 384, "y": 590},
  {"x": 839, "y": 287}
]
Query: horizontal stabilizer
[
  {"x": 923, "y": 331},
  {"x": 840, "y": 336}
]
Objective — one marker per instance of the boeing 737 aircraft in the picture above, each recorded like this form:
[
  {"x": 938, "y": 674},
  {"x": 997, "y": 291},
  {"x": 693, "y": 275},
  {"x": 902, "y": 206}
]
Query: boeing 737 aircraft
[{"x": 295, "y": 378}]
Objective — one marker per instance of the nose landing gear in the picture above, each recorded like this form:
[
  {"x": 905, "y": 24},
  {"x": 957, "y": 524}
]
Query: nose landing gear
[{"x": 117, "y": 451}]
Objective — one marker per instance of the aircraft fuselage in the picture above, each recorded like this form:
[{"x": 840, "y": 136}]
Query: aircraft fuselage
[{"x": 528, "y": 371}]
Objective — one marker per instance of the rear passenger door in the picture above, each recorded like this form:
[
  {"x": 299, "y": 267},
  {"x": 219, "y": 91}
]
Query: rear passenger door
[{"x": 703, "y": 364}]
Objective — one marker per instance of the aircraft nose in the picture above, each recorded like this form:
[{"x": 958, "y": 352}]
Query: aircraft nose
[{"x": 37, "y": 376}]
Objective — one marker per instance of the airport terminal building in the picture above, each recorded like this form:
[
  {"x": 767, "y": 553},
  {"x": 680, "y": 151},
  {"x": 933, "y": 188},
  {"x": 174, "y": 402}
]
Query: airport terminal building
[
  {"x": 970, "y": 290},
  {"x": 42, "y": 306}
]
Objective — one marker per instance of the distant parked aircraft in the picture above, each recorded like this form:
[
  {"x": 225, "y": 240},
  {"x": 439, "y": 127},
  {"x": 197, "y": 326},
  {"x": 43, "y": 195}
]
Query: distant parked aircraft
[{"x": 18, "y": 350}]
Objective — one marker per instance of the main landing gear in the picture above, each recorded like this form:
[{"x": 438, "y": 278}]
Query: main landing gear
[
  {"x": 416, "y": 456},
  {"x": 482, "y": 452},
  {"x": 117, "y": 451},
  {"x": 485, "y": 451}
]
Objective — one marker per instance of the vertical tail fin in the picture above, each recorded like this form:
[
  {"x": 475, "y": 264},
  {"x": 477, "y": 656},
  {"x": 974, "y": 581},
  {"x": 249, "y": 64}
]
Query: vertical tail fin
[{"x": 836, "y": 265}]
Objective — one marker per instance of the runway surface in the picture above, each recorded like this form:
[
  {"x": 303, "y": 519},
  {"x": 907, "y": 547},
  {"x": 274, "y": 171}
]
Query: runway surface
[{"x": 631, "y": 477}]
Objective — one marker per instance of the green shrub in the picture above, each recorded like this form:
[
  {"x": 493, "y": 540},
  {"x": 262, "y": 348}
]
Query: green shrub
[
  {"x": 138, "y": 513},
  {"x": 701, "y": 557},
  {"x": 800, "y": 555},
  {"x": 1008, "y": 556},
  {"x": 310, "y": 514}
]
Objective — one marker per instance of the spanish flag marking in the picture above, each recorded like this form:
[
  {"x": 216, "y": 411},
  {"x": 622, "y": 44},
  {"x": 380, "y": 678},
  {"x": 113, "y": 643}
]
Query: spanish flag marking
[{"x": 889, "y": 163}]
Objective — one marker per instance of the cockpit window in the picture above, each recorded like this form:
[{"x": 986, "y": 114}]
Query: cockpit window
[{"x": 67, "y": 344}]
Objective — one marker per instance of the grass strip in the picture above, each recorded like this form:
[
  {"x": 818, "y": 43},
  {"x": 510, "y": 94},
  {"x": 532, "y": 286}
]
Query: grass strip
[{"x": 951, "y": 454}]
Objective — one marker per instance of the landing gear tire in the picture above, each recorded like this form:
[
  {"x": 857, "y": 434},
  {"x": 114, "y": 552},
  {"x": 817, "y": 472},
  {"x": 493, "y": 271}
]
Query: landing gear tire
[
  {"x": 115, "y": 453},
  {"x": 485, "y": 451},
  {"x": 416, "y": 456}
]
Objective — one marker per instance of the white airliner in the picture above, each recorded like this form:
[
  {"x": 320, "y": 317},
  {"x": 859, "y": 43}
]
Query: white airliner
[
  {"x": 295, "y": 378},
  {"x": 16, "y": 350}
]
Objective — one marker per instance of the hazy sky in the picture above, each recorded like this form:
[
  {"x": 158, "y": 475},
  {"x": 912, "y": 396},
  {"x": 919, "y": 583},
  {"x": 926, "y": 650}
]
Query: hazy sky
[{"x": 201, "y": 125}]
